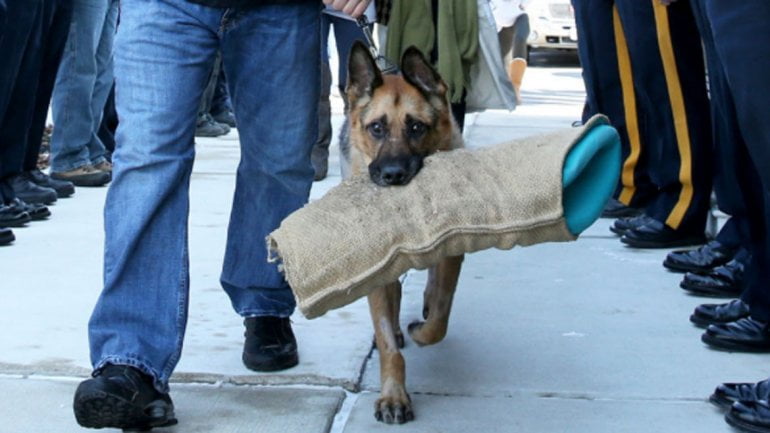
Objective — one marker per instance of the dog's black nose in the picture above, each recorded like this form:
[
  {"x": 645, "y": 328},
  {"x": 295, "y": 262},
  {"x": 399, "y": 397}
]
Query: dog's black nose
[
  {"x": 395, "y": 171},
  {"x": 393, "y": 174}
]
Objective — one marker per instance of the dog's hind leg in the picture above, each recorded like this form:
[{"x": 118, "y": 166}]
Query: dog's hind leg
[
  {"x": 439, "y": 292},
  {"x": 394, "y": 404}
]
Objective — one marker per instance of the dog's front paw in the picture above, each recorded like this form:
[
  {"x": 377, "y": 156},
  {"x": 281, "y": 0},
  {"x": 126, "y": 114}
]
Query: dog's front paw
[
  {"x": 394, "y": 409},
  {"x": 425, "y": 335}
]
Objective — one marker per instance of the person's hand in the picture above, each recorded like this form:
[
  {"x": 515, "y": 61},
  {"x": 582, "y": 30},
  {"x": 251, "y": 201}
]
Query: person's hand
[
  {"x": 354, "y": 8},
  {"x": 666, "y": 2}
]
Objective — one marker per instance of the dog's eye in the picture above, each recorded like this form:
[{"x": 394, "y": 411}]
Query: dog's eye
[
  {"x": 416, "y": 129},
  {"x": 376, "y": 129}
]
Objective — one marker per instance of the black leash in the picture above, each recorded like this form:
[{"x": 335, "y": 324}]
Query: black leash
[{"x": 385, "y": 65}]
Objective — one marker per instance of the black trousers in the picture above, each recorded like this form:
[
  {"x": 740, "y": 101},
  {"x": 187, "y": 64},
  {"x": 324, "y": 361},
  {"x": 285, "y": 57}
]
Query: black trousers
[
  {"x": 729, "y": 147},
  {"x": 57, "y": 15},
  {"x": 23, "y": 21},
  {"x": 3, "y": 11},
  {"x": 745, "y": 66},
  {"x": 643, "y": 67}
]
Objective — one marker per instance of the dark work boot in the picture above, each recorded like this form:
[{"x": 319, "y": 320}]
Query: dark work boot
[
  {"x": 120, "y": 396},
  {"x": 270, "y": 344},
  {"x": 31, "y": 192},
  {"x": 63, "y": 188}
]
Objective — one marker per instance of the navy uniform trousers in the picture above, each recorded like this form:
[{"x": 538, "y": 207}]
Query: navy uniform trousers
[
  {"x": 741, "y": 36},
  {"x": 728, "y": 142},
  {"x": 643, "y": 68}
]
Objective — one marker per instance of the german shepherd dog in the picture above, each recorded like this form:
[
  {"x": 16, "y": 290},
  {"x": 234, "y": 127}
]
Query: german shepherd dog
[{"x": 395, "y": 122}]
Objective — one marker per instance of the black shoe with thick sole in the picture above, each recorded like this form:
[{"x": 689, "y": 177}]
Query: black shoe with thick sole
[
  {"x": 31, "y": 192},
  {"x": 616, "y": 209},
  {"x": 6, "y": 237},
  {"x": 63, "y": 188},
  {"x": 750, "y": 416},
  {"x": 270, "y": 344},
  {"x": 36, "y": 211},
  {"x": 699, "y": 260},
  {"x": 743, "y": 335},
  {"x": 728, "y": 393},
  {"x": 120, "y": 396},
  {"x": 12, "y": 216},
  {"x": 622, "y": 225},
  {"x": 723, "y": 281},
  {"x": 655, "y": 234},
  {"x": 715, "y": 314}
]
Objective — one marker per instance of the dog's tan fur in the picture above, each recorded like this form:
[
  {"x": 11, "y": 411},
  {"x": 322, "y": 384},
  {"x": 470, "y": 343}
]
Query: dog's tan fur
[{"x": 416, "y": 120}]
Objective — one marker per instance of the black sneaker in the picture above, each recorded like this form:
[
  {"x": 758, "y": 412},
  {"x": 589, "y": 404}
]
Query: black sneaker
[
  {"x": 31, "y": 192},
  {"x": 120, "y": 396},
  {"x": 63, "y": 188},
  {"x": 270, "y": 344}
]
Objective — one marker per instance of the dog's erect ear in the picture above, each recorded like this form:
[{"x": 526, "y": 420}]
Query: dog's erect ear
[
  {"x": 419, "y": 73},
  {"x": 363, "y": 74}
]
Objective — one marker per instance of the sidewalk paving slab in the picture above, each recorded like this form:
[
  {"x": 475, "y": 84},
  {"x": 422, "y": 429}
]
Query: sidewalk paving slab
[{"x": 45, "y": 406}]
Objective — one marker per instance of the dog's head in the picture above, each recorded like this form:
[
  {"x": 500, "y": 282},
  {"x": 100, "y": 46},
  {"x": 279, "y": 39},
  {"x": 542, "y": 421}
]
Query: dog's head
[{"x": 396, "y": 121}]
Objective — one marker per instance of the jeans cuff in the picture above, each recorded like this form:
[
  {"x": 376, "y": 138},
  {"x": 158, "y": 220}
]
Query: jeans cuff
[{"x": 159, "y": 383}]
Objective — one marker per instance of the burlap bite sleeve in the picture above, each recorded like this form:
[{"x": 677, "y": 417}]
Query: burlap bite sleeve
[{"x": 360, "y": 236}]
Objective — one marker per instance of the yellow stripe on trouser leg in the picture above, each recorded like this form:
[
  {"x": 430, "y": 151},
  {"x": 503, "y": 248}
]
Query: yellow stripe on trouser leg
[
  {"x": 629, "y": 108},
  {"x": 680, "y": 115}
]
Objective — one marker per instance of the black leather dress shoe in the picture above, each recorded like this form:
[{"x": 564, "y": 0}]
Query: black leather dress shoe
[
  {"x": 63, "y": 188},
  {"x": 713, "y": 314},
  {"x": 622, "y": 225},
  {"x": 728, "y": 393},
  {"x": 12, "y": 216},
  {"x": 270, "y": 344},
  {"x": 722, "y": 281},
  {"x": 616, "y": 209},
  {"x": 699, "y": 260},
  {"x": 655, "y": 234},
  {"x": 6, "y": 237},
  {"x": 742, "y": 335},
  {"x": 750, "y": 416},
  {"x": 36, "y": 211},
  {"x": 31, "y": 192}
]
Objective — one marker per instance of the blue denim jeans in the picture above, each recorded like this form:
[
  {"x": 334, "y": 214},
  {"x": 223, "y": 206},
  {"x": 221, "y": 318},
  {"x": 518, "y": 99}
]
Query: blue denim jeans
[
  {"x": 164, "y": 53},
  {"x": 82, "y": 85}
]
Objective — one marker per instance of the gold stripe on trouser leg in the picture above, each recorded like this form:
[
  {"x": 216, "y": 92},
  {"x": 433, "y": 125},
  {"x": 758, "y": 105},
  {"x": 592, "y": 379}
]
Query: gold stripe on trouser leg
[
  {"x": 629, "y": 108},
  {"x": 680, "y": 115}
]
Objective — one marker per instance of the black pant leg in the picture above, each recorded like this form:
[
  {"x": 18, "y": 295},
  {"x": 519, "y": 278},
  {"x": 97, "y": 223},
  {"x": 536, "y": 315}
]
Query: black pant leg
[
  {"x": 57, "y": 17},
  {"x": 18, "y": 82},
  {"x": 728, "y": 142},
  {"x": 670, "y": 79},
  {"x": 746, "y": 66},
  {"x": 609, "y": 83}
]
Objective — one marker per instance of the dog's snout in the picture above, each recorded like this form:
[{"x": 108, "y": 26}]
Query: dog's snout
[{"x": 393, "y": 172}]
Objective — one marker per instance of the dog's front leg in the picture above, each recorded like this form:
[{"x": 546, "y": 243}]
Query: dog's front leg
[
  {"x": 439, "y": 292},
  {"x": 394, "y": 404}
]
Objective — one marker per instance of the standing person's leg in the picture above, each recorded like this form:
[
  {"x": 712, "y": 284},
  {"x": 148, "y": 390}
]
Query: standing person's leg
[
  {"x": 18, "y": 46},
  {"x": 610, "y": 90},
  {"x": 745, "y": 68},
  {"x": 320, "y": 154},
  {"x": 56, "y": 29},
  {"x": 73, "y": 96},
  {"x": 221, "y": 108},
  {"x": 667, "y": 61},
  {"x": 140, "y": 318},
  {"x": 105, "y": 78},
  {"x": 3, "y": 17},
  {"x": 276, "y": 88},
  {"x": 109, "y": 124}
]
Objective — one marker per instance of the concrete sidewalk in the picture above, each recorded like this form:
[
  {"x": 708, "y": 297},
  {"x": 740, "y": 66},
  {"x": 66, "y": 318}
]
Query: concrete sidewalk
[{"x": 588, "y": 336}]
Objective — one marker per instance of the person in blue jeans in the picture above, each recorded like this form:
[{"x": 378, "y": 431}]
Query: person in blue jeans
[
  {"x": 270, "y": 52},
  {"x": 82, "y": 86}
]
